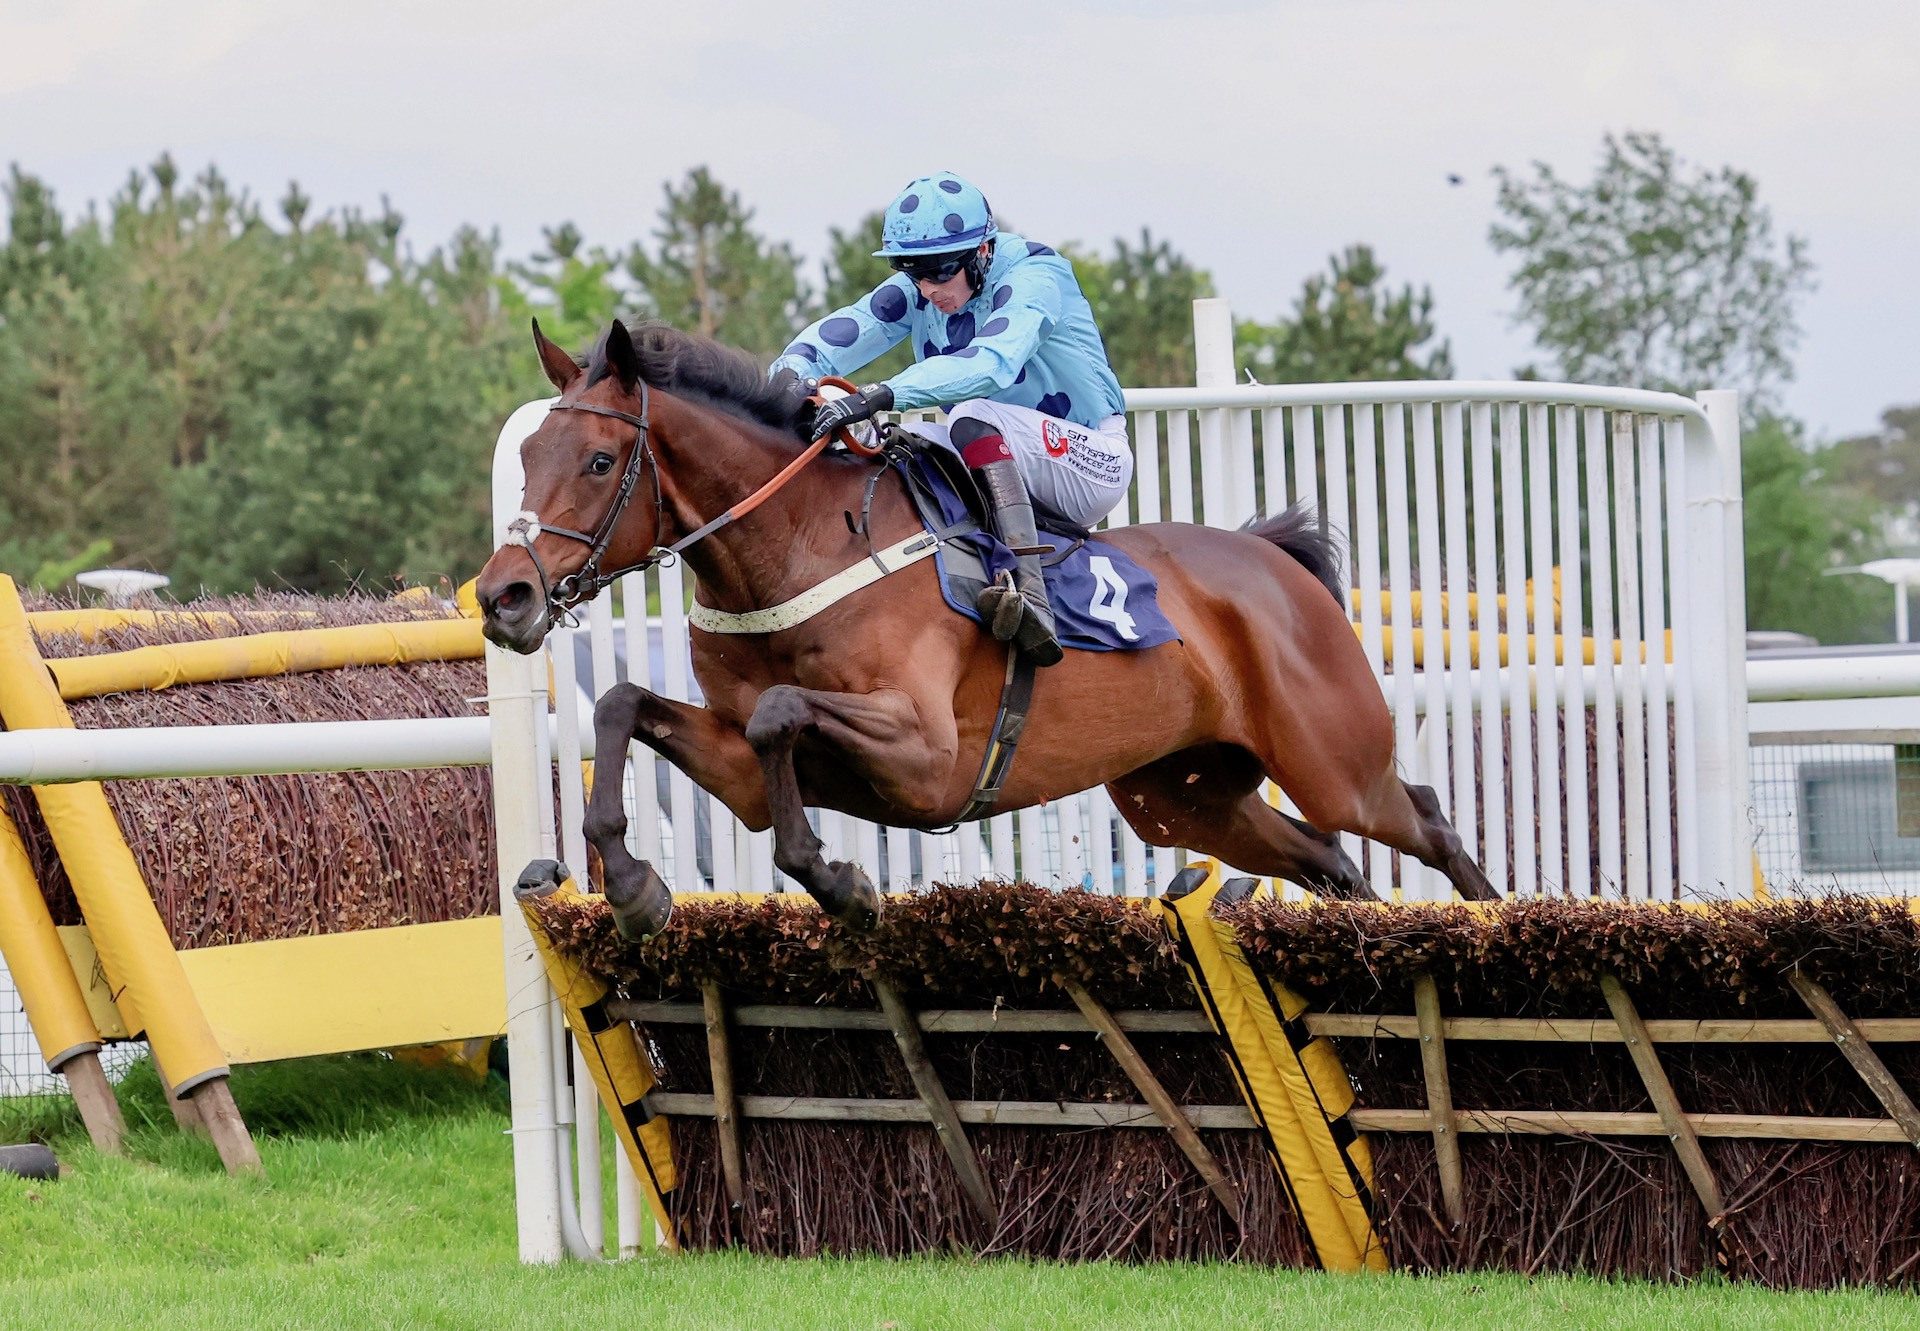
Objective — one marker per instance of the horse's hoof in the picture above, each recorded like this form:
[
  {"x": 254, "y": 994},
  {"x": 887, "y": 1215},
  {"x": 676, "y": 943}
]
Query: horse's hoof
[
  {"x": 540, "y": 878},
  {"x": 848, "y": 896},
  {"x": 645, "y": 910}
]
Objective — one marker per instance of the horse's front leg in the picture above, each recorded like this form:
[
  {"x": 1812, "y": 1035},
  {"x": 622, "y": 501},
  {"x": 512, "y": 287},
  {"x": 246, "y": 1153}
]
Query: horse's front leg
[
  {"x": 883, "y": 738},
  {"x": 714, "y": 754}
]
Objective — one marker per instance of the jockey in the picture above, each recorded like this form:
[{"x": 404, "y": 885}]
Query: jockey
[{"x": 1003, "y": 338}]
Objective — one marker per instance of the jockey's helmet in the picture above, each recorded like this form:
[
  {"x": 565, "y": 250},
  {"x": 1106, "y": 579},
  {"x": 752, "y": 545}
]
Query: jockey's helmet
[{"x": 934, "y": 214}]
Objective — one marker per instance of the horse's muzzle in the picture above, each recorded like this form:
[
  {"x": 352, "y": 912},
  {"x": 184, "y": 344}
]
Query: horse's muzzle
[{"x": 514, "y": 617}]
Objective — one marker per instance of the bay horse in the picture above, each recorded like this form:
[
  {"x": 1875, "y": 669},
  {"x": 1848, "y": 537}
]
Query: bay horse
[{"x": 881, "y": 705}]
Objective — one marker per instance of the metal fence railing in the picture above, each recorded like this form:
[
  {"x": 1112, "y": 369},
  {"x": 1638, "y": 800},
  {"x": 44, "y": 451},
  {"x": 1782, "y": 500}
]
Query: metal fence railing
[{"x": 1826, "y": 818}]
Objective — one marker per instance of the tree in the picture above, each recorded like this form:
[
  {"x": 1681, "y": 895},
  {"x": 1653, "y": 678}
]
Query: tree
[
  {"x": 851, "y": 271},
  {"x": 714, "y": 275},
  {"x": 113, "y": 336},
  {"x": 195, "y": 391},
  {"x": 1883, "y": 469},
  {"x": 360, "y": 450},
  {"x": 1800, "y": 523},
  {"x": 851, "y": 268},
  {"x": 1348, "y": 326},
  {"x": 1142, "y": 298},
  {"x": 1654, "y": 274},
  {"x": 572, "y": 293}
]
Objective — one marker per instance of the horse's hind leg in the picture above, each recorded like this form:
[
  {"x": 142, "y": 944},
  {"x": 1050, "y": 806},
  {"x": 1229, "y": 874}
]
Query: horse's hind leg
[
  {"x": 1408, "y": 818},
  {"x": 1207, "y": 799},
  {"x": 1340, "y": 875}
]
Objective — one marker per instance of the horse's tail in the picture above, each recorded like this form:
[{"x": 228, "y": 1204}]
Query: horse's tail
[{"x": 1298, "y": 532}]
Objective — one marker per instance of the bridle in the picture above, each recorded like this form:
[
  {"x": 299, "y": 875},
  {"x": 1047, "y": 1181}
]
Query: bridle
[{"x": 588, "y": 581}]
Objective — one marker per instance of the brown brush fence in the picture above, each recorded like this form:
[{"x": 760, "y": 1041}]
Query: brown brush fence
[
  {"x": 243, "y": 859},
  {"x": 1571, "y": 1155}
]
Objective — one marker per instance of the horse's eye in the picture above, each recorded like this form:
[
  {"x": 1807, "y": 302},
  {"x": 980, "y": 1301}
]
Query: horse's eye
[{"x": 600, "y": 464}]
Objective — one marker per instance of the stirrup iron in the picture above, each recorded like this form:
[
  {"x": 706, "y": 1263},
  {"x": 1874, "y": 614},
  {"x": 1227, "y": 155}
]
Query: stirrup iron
[{"x": 1003, "y": 607}]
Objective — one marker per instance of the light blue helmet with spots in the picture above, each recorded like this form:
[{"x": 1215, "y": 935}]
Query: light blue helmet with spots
[{"x": 933, "y": 214}]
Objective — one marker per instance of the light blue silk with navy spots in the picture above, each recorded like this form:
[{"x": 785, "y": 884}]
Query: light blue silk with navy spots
[{"x": 1027, "y": 339}]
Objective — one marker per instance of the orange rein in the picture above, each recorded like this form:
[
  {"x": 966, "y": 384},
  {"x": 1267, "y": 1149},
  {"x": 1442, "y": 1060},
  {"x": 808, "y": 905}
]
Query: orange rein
[
  {"x": 766, "y": 492},
  {"x": 787, "y": 473}
]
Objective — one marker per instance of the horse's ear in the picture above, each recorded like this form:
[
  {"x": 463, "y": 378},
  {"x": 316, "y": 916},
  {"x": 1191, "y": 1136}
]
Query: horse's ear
[
  {"x": 560, "y": 367},
  {"x": 621, "y": 357}
]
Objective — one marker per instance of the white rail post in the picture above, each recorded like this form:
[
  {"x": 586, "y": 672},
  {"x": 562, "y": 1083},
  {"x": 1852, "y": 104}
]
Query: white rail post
[
  {"x": 1717, "y": 632},
  {"x": 1213, "y": 368},
  {"x": 517, "y": 792},
  {"x": 1723, "y": 410}
]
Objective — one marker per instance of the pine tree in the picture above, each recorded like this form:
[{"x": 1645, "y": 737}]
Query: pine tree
[
  {"x": 1142, "y": 299},
  {"x": 1347, "y": 326},
  {"x": 712, "y": 274}
]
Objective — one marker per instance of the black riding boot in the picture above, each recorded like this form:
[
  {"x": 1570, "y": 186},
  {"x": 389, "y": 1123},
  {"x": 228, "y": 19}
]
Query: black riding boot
[{"x": 1016, "y": 608}]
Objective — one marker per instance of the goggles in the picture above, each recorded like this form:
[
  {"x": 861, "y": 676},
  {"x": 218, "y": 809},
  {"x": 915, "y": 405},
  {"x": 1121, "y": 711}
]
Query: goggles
[{"x": 935, "y": 268}]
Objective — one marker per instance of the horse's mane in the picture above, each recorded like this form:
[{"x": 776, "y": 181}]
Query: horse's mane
[{"x": 686, "y": 364}]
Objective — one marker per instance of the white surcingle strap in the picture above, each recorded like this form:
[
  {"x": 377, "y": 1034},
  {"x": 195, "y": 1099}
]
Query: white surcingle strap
[{"x": 817, "y": 598}]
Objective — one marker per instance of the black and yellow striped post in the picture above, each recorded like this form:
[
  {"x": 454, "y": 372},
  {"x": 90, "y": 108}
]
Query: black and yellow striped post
[
  {"x": 621, "y": 1071},
  {"x": 1293, "y": 1082}
]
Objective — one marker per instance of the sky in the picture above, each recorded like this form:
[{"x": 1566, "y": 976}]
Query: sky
[{"x": 1258, "y": 138}]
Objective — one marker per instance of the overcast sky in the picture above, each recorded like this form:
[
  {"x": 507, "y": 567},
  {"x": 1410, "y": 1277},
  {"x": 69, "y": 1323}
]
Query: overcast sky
[{"x": 1259, "y": 138}]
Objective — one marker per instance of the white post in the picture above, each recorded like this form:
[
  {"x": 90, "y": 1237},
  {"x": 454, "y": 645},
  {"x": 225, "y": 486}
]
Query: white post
[
  {"x": 1723, "y": 409},
  {"x": 1213, "y": 368},
  {"x": 1717, "y": 639},
  {"x": 1900, "y": 610},
  {"x": 517, "y": 792},
  {"x": 1212, "y": 343}
]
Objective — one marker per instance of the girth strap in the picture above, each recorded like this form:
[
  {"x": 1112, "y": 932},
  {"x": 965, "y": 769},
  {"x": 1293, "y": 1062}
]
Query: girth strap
[{"x": 1009, "y": 724}]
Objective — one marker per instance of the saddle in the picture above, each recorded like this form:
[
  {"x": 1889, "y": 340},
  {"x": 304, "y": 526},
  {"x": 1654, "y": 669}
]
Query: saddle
[
  {"x": 947, "y": 466},
  {"x": 1089, "y": 583},
  {"x": 1102, "y": 600}
]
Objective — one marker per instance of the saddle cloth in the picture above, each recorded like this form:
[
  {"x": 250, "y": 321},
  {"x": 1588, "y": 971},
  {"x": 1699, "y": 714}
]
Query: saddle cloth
[{"x": 1102, "y": 600}]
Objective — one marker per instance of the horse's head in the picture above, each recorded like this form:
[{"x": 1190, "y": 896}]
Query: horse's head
[{"x": 591, "y": 506}]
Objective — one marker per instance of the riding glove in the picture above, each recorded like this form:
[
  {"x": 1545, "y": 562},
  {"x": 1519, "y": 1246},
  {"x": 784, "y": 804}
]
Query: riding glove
[
  {"x": 798, "y": 394},
  {"x": 862, "y": 405}
]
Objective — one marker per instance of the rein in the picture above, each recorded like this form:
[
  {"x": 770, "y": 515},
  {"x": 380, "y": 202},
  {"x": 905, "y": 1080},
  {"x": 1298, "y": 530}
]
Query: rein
[{"x": 588, "y": 581}]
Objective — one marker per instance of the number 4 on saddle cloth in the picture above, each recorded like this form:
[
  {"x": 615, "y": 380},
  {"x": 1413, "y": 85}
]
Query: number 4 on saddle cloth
[{"x": 1102, "y": 600}]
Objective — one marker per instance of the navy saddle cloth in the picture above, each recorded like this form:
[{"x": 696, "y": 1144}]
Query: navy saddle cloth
[{"x": 1102, "y": 600}]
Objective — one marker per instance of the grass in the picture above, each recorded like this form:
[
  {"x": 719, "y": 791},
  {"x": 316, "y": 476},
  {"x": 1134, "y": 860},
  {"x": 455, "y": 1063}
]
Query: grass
[{"x": 387, "y": 1203}]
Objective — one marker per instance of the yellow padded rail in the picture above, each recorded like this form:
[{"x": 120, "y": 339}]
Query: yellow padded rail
[
  {"x": 90, "y": 622},
  {"x": 1538, "y": 647},
  {"x": 264, "y": 654},
  {"x": 621, "y": 1070},
  {"x": 55, "y": 1003}
]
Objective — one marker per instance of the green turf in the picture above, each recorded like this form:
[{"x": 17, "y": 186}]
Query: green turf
[{"x": 388, "y": 1204}]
